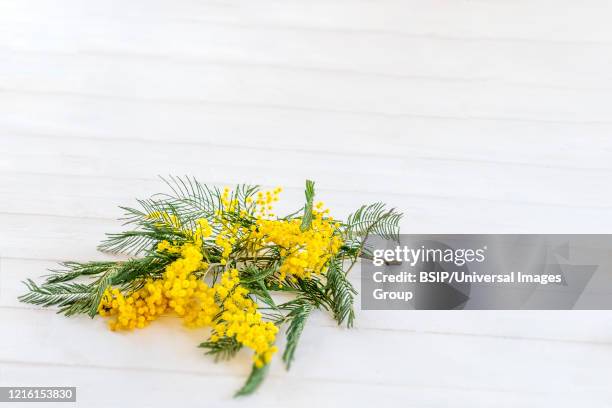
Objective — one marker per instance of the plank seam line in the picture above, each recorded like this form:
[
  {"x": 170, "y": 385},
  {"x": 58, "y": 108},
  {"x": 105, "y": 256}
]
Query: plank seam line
[
  {"x": 398, "y": 330},
  {"x": 275, "y": 376},
  {"x": 279, "y": 107}
]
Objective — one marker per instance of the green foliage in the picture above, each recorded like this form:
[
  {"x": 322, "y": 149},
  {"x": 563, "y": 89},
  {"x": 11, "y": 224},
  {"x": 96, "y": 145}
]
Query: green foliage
[
  {"x": 77, "y": 288},
  {"x": 98, "y": 290},
  {"x": 254, "y": 381},
  {"x": 312, "y": 289},
  {"x": 223, "y": 349},
  {"x": 132, "y": 272},
  {"x": 254, "y": 279},
  {"x": 299, "y": 310},
  {"x": 251, "y": 274},
  {"x": 73, "y": 270},
  {"x": 71, "y": 298},
  {"x": 192, "y": 199},
  {"x": 373, "y": 219},
  {"x": 341, "y": 294},
  {"x": 187, "y": 201},
  {"x": 137, "y": 242},
  {"x": 307, "y": 216},
  {"x": 84, "y": 296}
]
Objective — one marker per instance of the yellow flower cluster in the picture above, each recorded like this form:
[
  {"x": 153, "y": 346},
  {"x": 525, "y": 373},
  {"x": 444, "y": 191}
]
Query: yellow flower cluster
[
  {"x": 226, "y": 240},
  {"x": 178, "y": 290},
  {"x": 304, "y": 252},
  {"x": 230, "y": 232},
  {"x": 203, "y": 230},
  {"x": 241, "y": 320},
  {"x": 190, "y": 298},
  {"x": 264, "y": 202},
  {"x": 135, "y": 310}
]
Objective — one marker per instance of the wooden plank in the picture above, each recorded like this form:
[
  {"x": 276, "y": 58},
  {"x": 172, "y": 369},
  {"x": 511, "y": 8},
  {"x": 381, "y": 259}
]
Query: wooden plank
[
  {"x": 352, "y": 52},
  {"x": 472, "y": 179},
  {"x": 268, "y": 87},
  {"x": 392, "y": 357},
  {"x": 78, "y": 197},
  {"x": 545, "y": 21},
  {"x": 558, "y": 142},
  {"x": 151, "y": 390}
]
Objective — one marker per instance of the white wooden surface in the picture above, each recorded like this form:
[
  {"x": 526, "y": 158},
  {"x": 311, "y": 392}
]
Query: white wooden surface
[{"x": 470, "y": 116}]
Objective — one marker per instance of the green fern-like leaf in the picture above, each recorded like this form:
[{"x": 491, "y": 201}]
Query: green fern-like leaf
[
  {"x": 299, "y": 310},
  {"x": 73, "y": 270},
  {"x": 254, "y": 278},
  {"x": 131, "y": 272},
  {"x": 187, "y": 201},
  {"x": 150, "y": 227},
  {"x": 192, "y": 199},
  {"x": 254, "y": 381},
  {"x": 341, "y": 292},
  {"x": 223, "y": 349},
  {"x": 71, "y": 298},
  {"x": 307, "y": 217},
  {"x": 98, "y": 290},
  {"x": 373, "y": 219}
]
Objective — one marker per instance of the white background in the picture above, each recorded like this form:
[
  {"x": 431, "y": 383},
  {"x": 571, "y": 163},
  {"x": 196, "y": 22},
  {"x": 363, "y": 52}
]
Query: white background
[{"x": 482, "y": 116}]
